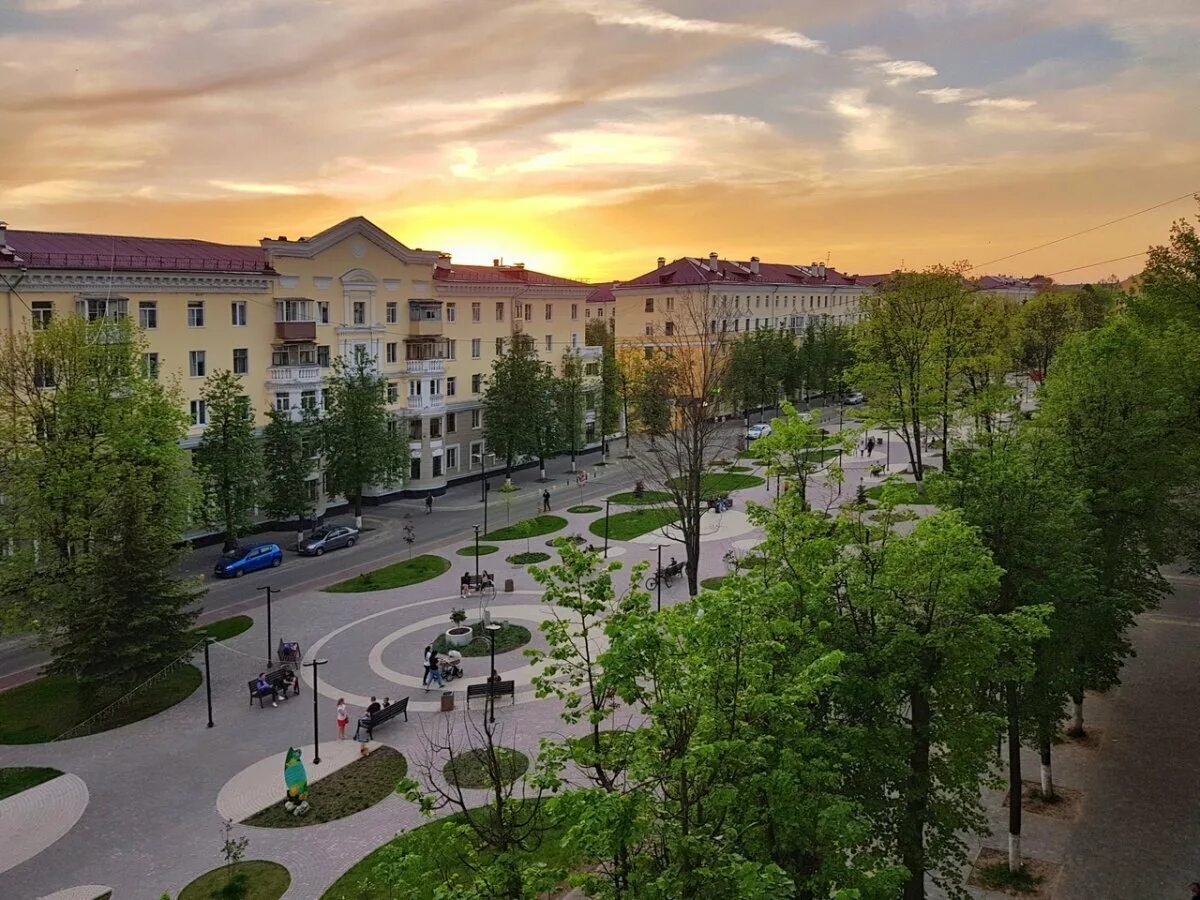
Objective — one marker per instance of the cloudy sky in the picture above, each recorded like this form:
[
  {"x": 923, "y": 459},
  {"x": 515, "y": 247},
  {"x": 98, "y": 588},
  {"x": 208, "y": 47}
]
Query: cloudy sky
[{"x": 588, "y": 137}]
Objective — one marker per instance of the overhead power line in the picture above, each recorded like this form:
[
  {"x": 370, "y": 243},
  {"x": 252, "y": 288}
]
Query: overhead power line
[
  {"x": 1076, "y": 234},
  {"x": 1102, "y": 262}
]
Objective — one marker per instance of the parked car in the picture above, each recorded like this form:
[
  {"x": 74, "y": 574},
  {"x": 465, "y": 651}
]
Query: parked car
[
  {"x": 855, "y": 399},
  {"x": 754, "y": 432},
  {"x": 237, "y": 562},
  {"x": 328, "y": 537}
]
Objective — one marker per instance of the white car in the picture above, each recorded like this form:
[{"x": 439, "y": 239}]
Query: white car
[
  {"x": 754, "y": 432},
  {"x": 855, "y": 399}
]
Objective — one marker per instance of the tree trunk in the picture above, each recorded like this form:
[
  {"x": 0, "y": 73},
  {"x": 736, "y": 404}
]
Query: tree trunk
[
  {"x": 358, "y": 505},
  {"x": 1046, "y": 773},
  {"x": 1076, "y": 729},
  {"x": 916, "y": 799},
  {"x": 1012, "y": 702},
  {"x": 542, "y": 468}
]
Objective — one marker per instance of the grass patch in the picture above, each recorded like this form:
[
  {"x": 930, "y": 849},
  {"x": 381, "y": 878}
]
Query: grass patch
[
  {"x": 22, "y": 778},
  {"x": 401, "y": 574},
  {"x": 629, "y": 498},
  {"x": 634, "y": 523},
  {"x": 350, "y": 789},
  {"x": 898, "y": 492},
  {"x": 261, "y": 880},
  {"x": 42, "y": 709},
  {"x": 525, "y": 559},
  {"x": 717, "y": 484},
  {"x": 469, "y": 769},
  {"x": 368, "y": 879},
  {"x": 484, "y": 550},
  {"x": 999, "y": 877},
  {"x": 534, "y": 527},
  {"x": 584, "y": 508},
  {"x": 509, "y": 637},
  {"x": 712, "y": 584},
  {"x": 224, "y": 629}
]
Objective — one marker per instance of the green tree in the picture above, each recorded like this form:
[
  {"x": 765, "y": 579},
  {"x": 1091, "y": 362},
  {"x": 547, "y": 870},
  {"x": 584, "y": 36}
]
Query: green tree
[
  {"x": 758, "y": 369},
  {"x": 599, "y": 333},
  {"x": 798, "y": 447},
  {"x": 228, "y": 458},
  {"x": 289, "y": 449},
  {"x": 825, "y": 357},
  {"x": 570, "y": 404},
  {"x": 506, "y": 403},
  {"x": 1043, "y": 324},
  {"x": 653, "y": 399},
  {"x": 630, "y": 368},
  {"x": 364, "y": 443},
  {"x": 1169, "y": 286}
]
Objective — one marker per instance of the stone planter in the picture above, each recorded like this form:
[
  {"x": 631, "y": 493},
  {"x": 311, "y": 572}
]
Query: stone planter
[{"x": 459, "y": 636}]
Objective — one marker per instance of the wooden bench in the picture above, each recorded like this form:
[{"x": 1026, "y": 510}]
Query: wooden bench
[
  {"x": 491, "y": 689},
  {"x": 384, "y": 715},
  {"x": 275, "y": 679}
]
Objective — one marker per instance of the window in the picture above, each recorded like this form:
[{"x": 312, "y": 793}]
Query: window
[
  {"x": 95, "y": 308},
  {"x": 359, "y": 312},
  {"x": 414, "y": 388},
  {"x": 592, "y": 368},
  {"x": 414, "y": 429},
  {"x": 587, "y": 313},
  {"x": 43, "y": 376},
  {"x": 392, "y": 312},
  {"x": 476, "y": 453},
  {"x": 476, "y": 383},
  {"x": 600, "y": 312},
  {"x": 649, "y": 304},
  {"x": 393, "y": 392},
  {"x": 241, "y": 361},
  {"x": 437, "y": 467},
  {"x": 549, "y": 311},
  {"x": 475, "y": 311},
  {"x": 669, "y": 329},
  {"x": 147, "y": 313},
  {"x": 451, "y": 424},
  {"x": 199, "y": 412},
  {"x": 326, "y": 395},
  {"x": 195, "y": 313},
  {"x": 477, "y": 418},
  {"x": 43, "y": 311},
  {"x": 649, "y": 329},
  {"x": 360, "y": 353},
  {"x": 283, "y": 402},
  {"x": 237, "y": 312},
  {"x": 670, "y": 304},
  {"x": 323, "y": 312},
  {"x": 500, "y": 312},
  {"x": 451, "y": 385},
  {"x": 308, "y": 399},
  {"x": 151, "y": 360},
  {"x": 391, "y": 352},
  {"x": 476, "y": 347},
  {"x": 197, "y": 366},
  {"x": 451, "y": 312},
  {"x": 435, "y": 428},
  {"x": 549, "y": 343},
  {"x": 574, "y": 310},
  {"x": 414, "y": 472},
  {"x": 451, "y": 457},
  {"x": 323, "y": 356},
  {"x": 499, "y": 346},
  {"x": 574, "y": 340}
]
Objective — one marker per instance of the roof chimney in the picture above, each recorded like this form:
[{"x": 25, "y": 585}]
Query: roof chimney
[
  {"x": 496, "y": 263},
  {"x": 443, "y": 261},
  {"x": 754, "y": 265},
  {"x": 282, "y": 237},
  {"x": 3, "y": 234},
  {"x": 662, "y": 261},
  {"x": 712, "y": 261}
]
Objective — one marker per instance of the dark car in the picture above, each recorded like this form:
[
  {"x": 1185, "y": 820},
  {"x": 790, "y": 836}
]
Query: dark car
[
  {"x": 237, "y": 562},
  {"x": 328, "y": 537}
]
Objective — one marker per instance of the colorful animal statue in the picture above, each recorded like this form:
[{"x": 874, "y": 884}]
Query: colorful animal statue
[{"x": 294, "y": 776}]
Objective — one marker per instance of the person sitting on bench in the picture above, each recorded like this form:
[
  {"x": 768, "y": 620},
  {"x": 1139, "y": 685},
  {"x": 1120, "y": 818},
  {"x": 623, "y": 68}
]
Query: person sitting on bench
[
  {"x": 464, "y": 584},
  {"x": 263, "y": 687},
  {"x": 289, "y": 681},
  {"x": 373, "y": 707}
]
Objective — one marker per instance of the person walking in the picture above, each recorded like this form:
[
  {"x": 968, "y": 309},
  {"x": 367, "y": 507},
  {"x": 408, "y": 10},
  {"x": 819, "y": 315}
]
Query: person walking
[
  {"x": 428, "y": 657},
  {"x": 434, "y": 671},
  {"x": 428, "y": 504},
  {"x": 343, "y": 716},
  {"x": 870, "y": 445},
  {"x": 545, "y": 501}
]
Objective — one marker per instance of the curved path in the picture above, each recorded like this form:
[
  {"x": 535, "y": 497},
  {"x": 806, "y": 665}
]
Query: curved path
[{"x": 35, "y": 818}]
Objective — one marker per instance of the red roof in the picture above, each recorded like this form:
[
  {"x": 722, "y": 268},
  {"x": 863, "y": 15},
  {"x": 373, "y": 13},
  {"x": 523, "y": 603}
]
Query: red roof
[
  {"x": 65, "y": 250},
  {"x": 692, "y": 270},
  {"x": 501, "y": 274},
  {"x": 602, "y": 294}
]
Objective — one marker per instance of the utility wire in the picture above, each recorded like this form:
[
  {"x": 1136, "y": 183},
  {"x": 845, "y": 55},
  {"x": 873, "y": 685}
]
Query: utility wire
[{"x": 1101, "y": 262}]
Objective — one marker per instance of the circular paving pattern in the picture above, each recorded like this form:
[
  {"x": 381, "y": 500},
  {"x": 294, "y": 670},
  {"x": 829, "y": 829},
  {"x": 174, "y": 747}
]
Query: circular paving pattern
[
  {"x": 34, "y": 819},
  {"x": 714, "y": 526},
  {"x": 83, "y": 892}
]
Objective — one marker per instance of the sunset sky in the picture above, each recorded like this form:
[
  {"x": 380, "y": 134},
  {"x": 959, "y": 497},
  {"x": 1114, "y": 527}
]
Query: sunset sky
[{"x": 587, "y": 137}]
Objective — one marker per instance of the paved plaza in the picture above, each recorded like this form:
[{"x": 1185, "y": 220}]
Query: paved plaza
[{"x": 141, "y": 808}]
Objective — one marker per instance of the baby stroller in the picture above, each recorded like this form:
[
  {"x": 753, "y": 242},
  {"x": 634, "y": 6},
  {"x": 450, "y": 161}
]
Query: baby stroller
[
  {"x": 720, "y": 504},
  {"x": 449, "y": 665}
]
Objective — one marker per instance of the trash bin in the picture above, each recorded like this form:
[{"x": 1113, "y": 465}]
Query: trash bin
[
  {"x": 447, "y": 701},
  {"x": 508, "y": 586}
]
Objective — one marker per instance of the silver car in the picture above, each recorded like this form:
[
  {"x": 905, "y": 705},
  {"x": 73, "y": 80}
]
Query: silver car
[{"x": 328, "y": 537}]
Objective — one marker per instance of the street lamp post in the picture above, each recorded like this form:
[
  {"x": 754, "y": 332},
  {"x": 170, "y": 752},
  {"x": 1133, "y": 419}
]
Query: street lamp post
[
  {"x": 316, "y": 735},
  {"x": 476, "y": 554},
  {"x": 607, "y": 502},
  {"x": 492, "y": 629},
  {"x": 208, "y": 641},
  {"x": 487, "y": 489},
  {"x": 659, "y": 579},
  {"x": 482, "y": 477},
  {"x": 270, "y": 590}
]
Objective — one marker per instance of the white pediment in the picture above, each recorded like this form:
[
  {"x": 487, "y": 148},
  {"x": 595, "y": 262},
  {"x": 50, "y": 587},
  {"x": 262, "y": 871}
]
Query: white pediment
[{"x": 357, "y": 226}]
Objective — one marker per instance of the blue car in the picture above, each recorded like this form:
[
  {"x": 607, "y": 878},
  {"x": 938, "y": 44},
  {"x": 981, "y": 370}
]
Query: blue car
[{"x": 236, "y": 563}]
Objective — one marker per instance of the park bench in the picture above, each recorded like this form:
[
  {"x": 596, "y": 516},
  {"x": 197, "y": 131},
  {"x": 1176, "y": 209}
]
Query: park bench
[
  {"x": 386, "y": 714},
  {"x": 491, "y": 689},
  {"x": 275, "y": 679}
]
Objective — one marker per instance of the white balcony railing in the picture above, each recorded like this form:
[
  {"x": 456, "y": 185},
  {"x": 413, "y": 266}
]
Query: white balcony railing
[
  {"x": 425, "y": 366},
  {"x": 426, "y": 402},
  {"x": 294, "y": 374}
]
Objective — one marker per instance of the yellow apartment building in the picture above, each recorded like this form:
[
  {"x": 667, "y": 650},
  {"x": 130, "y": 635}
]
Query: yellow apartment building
[{"x": 280, "y": 313}]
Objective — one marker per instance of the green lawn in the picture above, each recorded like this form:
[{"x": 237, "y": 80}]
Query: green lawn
[
  {"x": 711, "y": 584},
  {"x": 351, "y": 789},
  {"x": 629, "y": 498},
  {"x": 263, "y": 881},
  {"x": 525, "y": 559},
  {"x": 22, "y": 778},
  {"x": 401, "y": 574},
  {"x": 224, "y": 629},
  {"x": 42, "y": 709},
  {"x": 509, "y": 637},
  {"x": 362, "y": 883},
  {"x": 469, "y": 769},
  {"x": 584, "y": 508},
  {"x": 484, "y": 550},
  {"x": 633, "y": 523},
  {"x": 534, "y": 527},
  {"x": 899, "y": 491},
  {"x": 717, "y": 484}
]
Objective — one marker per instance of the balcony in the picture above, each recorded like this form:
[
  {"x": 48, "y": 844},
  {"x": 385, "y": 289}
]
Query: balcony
[
  {"x": 425, "y": 317},
  {"x": 294, "y": 375},
  {"x": 425, "y": 366},
  {"x": 426, "y": 403},
  {"x": 296, "y": 332}
]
